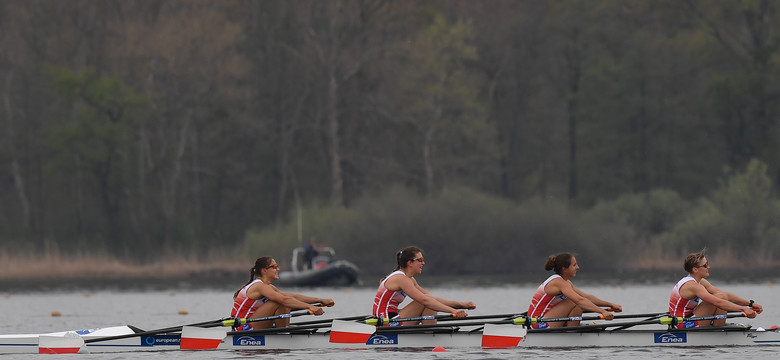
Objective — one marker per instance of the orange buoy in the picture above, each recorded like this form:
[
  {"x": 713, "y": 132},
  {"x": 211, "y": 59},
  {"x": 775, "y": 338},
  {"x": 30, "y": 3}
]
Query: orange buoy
[
  {"x": 56, "y": 313},
  {"x": 183, "y": 312},
  {"x": 439, "y": 349}
]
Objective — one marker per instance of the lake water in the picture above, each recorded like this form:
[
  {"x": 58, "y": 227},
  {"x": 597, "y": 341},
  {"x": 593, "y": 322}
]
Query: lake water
[{"x": 31, "y": 312}]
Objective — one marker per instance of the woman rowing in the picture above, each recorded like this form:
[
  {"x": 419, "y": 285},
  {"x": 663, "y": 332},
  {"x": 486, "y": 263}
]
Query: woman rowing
[
  {"x": 693, "y": 295},
  {"x": 401, "y": 283},
  {"x": 258, "y": 298},
  {"x": 557, "y": 297}
]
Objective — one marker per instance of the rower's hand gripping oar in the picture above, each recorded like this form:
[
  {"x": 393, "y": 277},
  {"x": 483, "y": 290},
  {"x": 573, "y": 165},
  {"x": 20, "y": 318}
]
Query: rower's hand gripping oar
[{"x": 198, "y": 338}]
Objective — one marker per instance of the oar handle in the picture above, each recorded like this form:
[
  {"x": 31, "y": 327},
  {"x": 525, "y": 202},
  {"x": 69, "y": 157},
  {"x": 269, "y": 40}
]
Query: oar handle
[
  {"x": 524, "y": 320},
  {"x": 674, "y": 320},
  {"x": 385, "y": 321},
  {"x": 234, "y": 322}
]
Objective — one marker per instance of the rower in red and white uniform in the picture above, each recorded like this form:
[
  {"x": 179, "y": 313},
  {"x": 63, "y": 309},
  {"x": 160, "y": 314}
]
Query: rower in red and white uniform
[
  {"x": 557, "y": 297},
  {"x": 258, "y": 298},
  {"x": 401, "y": 283},
  {"x": 694, "y": 296}
]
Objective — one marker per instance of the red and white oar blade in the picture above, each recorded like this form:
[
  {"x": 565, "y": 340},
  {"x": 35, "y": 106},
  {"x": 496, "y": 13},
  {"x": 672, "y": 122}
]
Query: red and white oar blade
[
  {"x": 502, "y": 336},
  {"x": 68, "y": 343},
  {"x": 198, "y": 338},
  {"x": 350, "y": 332}
]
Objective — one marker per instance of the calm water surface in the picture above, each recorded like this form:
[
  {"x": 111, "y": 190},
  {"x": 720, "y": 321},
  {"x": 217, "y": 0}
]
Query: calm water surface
[{"x": 30, "y": 312}]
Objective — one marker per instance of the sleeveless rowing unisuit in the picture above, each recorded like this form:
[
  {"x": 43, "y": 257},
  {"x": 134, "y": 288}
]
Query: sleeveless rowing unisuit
[
  {"x": 681, "y": 307},
  {"x": 244, "y": 306},
  {"x": 542, "y": 302},
  {"x": 386, "y": 301}
]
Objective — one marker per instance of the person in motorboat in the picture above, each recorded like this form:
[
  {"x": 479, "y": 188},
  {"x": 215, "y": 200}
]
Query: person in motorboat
[
  {"x": 695, "y": 296},
  {"x": 557, "y": 297},
  {"x": 259, "y": 298},
  {"x": 309, "y": 253},
  {"x": 401, "y": 283}
]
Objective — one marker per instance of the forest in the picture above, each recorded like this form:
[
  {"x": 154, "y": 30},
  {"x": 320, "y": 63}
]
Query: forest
[{"x": 489, "y": 133}]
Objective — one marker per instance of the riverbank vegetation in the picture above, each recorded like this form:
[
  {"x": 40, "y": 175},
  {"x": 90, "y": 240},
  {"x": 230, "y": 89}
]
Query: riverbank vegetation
[
  {"x": 468, "y": 232},
  {"x": 490, "y": 133}
]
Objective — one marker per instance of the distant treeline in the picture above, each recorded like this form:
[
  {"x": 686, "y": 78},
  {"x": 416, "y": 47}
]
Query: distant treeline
[
  {"x": 463, "y": 231},
  {"x": 145, "y": 129}
]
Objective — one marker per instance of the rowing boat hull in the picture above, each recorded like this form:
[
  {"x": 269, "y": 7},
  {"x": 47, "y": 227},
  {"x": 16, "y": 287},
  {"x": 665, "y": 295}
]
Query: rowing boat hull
[
  {"x": 28, "y": 343},
  {"x": 633, "y": 338}
]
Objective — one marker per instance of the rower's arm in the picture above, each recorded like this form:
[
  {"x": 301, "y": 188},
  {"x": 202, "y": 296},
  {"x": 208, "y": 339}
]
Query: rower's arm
[
  {"x": 702, "y": 291},
  {"x": 313, "y": 300},
  {"x": 417, "y": 293},
  {"x": 287, "y": 299},
  {"x": 599, "y": 302},
  {"x": 577, "y": 297}
]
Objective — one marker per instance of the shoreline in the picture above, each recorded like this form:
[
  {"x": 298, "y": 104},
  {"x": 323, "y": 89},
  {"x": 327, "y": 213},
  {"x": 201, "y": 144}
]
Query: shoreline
[{"x": 54, "y": 272}]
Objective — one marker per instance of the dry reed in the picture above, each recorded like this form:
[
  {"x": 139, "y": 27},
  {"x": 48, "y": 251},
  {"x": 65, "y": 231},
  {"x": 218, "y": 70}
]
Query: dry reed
[{"x": 54, "y": 266}]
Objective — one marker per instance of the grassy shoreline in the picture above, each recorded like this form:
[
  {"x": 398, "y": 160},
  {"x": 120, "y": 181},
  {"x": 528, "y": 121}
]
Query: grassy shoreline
[{"x": 50, "y": 266}]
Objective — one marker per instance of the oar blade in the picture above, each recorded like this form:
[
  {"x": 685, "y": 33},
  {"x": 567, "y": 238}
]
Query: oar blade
[
  {"x": 502, "y": 336},
  {"x": 198, "y": 338},
  {"x": 69, "y": 343},
  {"x": 350, "y": 332}
]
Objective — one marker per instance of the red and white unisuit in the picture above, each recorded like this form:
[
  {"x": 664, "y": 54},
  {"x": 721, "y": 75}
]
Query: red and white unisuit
[
  {"x": 542, "y": 302},
  {"x": 244, "y": 306},
  {"x": 386, "y": 301},
  {"x": 681, "y": 307}
]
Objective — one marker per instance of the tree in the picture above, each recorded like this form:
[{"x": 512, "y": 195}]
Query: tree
[{"x": 436, "y": 97}]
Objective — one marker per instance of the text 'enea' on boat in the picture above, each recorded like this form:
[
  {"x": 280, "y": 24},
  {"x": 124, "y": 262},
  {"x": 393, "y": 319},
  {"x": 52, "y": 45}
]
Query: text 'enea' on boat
[{"x": 261, "y": 319}]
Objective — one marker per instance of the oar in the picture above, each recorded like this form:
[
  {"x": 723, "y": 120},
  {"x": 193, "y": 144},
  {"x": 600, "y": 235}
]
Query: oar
[
  {"x": 158, "y": 331},
  {"x": 206, "y": 324},
  {"x": 304, "y": 325},
  {"x": 444, "y": 317},
  {"x": 385, "y": 321},
  {"x": 234, "y": 322},
  {"x": 323, "y": 321},
  {"x": 467, "y": 322},
  {"x": 495, "y": 316},
  {"x": 199, "y": 338},
  {"x": 526, "y": 320},
  {"x": 67, "y": 343},
  {"x": 358, "y": 333},
  {"x": 661, "y": 321},
  {"x": 679, "y": 319},
  {"x": 654, "y": 317}
]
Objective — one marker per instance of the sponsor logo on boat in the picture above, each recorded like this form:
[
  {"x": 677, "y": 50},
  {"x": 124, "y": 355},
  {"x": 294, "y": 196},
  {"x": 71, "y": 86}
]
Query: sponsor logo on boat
[
  {"x": 377, "y": 339},
  {"x": 249, "y": 341},
  {"x": 85, "y": 332},
  {"x": 671, "y": 338},
  {"x": 160, "y": 340}
]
